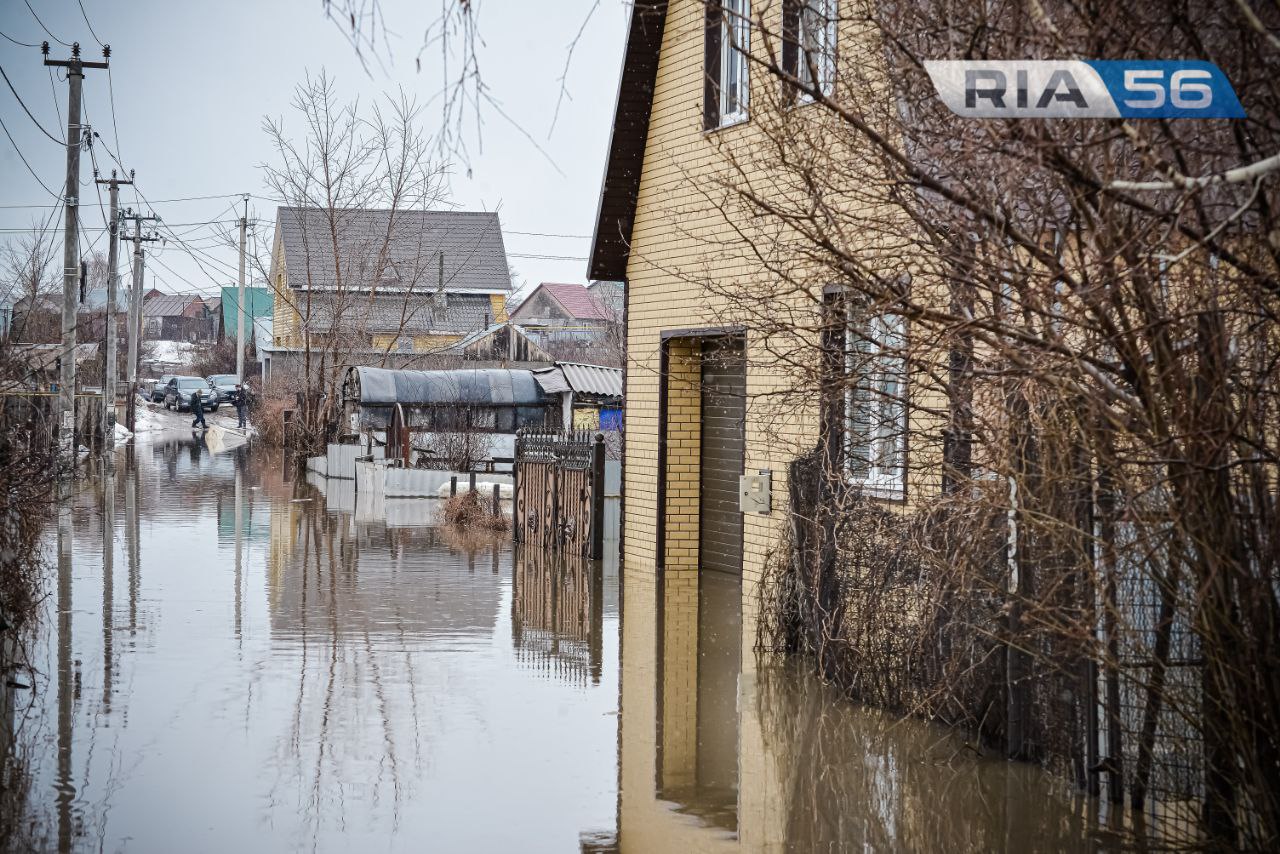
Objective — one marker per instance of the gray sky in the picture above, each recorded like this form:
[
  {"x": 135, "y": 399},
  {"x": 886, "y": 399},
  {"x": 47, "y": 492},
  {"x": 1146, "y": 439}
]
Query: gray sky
[{"x": 193, "y": 80}]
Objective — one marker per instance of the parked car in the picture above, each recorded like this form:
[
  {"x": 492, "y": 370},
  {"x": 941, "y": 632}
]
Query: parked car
[
  {"x": 224, "y": 384},
  {"x": 161, "y": 385},
  {"x": 177, "y": 394}
]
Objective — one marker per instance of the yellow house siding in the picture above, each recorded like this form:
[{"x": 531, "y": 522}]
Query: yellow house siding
[
  {"x": 674, "y": 240},
  {"x": 431, "y": 343},
  {"x": 498, "y": 302}
]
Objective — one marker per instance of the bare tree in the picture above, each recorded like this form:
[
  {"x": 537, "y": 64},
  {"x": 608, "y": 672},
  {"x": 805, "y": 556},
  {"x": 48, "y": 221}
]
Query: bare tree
[
  {"x": 29, "y": 274},
  {"x": 348, "y": 163},
  {"x": 1057, "y": 342}
]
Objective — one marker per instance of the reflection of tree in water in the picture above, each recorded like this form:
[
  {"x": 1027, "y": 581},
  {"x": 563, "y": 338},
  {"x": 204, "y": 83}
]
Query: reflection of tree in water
[
  {"x": 857, "y": 778},
  {"x": 356, "y": 600}
]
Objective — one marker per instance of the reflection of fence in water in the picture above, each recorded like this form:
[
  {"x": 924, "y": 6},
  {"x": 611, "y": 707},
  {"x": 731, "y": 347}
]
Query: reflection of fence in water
[
  {"x": 557, "y": 613},
  {"x": 559, "y": 493}
]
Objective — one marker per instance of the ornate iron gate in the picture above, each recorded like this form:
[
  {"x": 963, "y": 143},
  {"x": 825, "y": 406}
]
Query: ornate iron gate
[{"x": 559, "y": 494}]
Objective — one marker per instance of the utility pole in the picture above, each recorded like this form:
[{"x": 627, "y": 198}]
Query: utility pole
[
  {"x": 244, "y": 228},
  {"x": 109, "y": 380},
  {"x": 71, "y": 250},
  {"x": 135, "y": 311}
]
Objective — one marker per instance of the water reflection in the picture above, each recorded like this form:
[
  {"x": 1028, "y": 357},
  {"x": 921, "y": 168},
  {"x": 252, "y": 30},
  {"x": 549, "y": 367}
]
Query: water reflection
[
  {"x": 699, "y": 664},
  {"x": 557, "y": 613},
  {"x": 724, "y": 751},
  {"x": 281, "y": 675},
  {"x": 268, "y": 666}
]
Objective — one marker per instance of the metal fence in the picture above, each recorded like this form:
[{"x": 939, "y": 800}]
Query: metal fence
[{"x": 559, "y": 491}]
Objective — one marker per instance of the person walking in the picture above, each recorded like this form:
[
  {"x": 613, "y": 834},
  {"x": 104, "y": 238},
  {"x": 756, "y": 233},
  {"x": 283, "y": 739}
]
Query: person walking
[
  {"x": 197, "y": 409},
  {"x": 241, "y": 402}
]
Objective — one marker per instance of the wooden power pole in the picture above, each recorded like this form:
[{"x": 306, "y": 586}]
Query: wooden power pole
[
  {"x": 71, "y": 249},
  {"x": 109, "y": 378}
]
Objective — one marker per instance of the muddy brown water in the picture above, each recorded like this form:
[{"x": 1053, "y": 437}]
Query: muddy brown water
[{"x": 251, "y": 664}]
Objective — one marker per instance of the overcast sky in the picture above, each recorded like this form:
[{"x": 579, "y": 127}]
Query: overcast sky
[{"x": 192, "y": 82}]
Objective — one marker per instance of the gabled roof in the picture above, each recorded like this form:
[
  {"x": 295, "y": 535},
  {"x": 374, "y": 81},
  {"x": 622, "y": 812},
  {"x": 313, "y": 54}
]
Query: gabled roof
[
  {"x": 393, "y": 250},
  {"x": 615, "y": 216},
  {"x": 576, "y": 300},
  {"x": 167, "y": 305}
]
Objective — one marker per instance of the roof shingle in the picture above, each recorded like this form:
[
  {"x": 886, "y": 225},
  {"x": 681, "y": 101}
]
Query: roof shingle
[{"x": 392, "y": 250}]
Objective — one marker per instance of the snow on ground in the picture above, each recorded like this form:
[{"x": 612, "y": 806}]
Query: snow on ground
[
  {"x": 171, "y": 351},
  {"x": 122, "y": 433},
  {"x": 152, "y": 418}
]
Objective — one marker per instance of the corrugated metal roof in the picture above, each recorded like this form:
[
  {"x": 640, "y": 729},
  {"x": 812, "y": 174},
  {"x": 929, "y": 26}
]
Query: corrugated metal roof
[
  {"x": 167, "y": 305},
  {"x": 379, "y": 251},
  {"x": 591, "y": 380}
]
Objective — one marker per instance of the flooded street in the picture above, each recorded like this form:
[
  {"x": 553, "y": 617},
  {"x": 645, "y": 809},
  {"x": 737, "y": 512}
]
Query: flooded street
[{"x": 251, "y": 665}]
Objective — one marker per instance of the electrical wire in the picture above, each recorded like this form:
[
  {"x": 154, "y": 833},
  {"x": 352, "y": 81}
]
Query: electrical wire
[
  {"x": 27, "y": 110},
  {"x": 23, "y": 158},
  {"x": 15, "y": 41},
  {"x": 43, "y": 27},
  {"x": 85, "y": 15},
  {"x": 546, "y": 234},
  {"x": 111, "y": 94}
]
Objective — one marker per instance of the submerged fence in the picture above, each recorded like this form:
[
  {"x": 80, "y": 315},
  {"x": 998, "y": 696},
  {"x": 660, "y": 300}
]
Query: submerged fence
[{"x": 1093, "y": 668}]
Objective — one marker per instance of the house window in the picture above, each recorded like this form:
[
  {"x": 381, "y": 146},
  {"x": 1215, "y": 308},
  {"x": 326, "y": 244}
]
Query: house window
[
  {"x": 809, "y": 45},
  {"x": 728, "y": 75},
  {"x": 875, "y": 404}
]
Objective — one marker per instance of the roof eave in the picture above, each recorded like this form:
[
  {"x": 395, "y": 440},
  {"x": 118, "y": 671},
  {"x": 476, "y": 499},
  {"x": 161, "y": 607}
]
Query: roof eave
[{"x": 620, "y": 184}]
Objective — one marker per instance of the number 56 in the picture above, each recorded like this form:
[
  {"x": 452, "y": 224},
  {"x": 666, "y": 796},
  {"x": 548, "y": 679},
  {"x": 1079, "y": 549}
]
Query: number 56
[{"x": 1186, "y": 89}]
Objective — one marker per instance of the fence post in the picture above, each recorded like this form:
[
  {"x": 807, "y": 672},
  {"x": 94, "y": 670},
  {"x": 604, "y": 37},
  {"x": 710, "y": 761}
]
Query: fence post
[
  {"x": 471, "y": 481},
  {"x": 597, "y": 497},
  {"x": 497, "y": 506},
  {"x": 453, "y": 486},
  {"x": 515, "y": 489}
]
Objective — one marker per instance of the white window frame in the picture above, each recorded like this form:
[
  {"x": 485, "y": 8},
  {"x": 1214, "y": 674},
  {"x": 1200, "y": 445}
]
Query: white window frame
[
  {"x": 735, "y": 43},
  {"x": 876, "y": 415},
  {"x": 816, "y": 37}
]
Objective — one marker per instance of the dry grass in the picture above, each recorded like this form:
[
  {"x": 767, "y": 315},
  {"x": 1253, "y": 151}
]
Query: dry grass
[{"x": 471, "y": 511}]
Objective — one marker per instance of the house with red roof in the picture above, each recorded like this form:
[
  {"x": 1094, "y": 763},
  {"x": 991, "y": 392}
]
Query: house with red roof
[{"x": 570, "y": 321}]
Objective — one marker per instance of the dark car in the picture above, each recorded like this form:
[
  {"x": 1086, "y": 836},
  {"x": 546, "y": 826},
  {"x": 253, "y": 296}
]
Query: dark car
[
  {"x": 224, "y": 385},
  {"x": 177, "y": 394},
  {"x": 160, "y": 387}
]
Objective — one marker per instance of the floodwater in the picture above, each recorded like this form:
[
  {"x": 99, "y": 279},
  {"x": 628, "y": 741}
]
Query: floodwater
[{"x": 253, "y": 665}]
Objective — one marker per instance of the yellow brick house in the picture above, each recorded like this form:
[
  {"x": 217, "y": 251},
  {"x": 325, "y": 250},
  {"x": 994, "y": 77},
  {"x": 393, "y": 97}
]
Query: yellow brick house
[
  {"x": 699, "y": 379},
  {"x": 703, "y": 391}
]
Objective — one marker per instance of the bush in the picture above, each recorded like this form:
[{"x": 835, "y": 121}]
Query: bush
[{"x": 469, "y": 510}]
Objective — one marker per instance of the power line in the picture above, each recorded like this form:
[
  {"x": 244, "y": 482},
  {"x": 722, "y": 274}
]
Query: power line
[
  {"x": 546, "y": 234},
  {"x": 43, "y": 27},
  {"x": 15, "y": 41},
  {"x": 533, "y": 257},
  {"x": 26, "y": 110},
  {"x": 23, "y": 158},
  {"x": 85, "y": 15},
  {"x": 151, "y": 201},
  {"x": 111, "y": 94}
]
